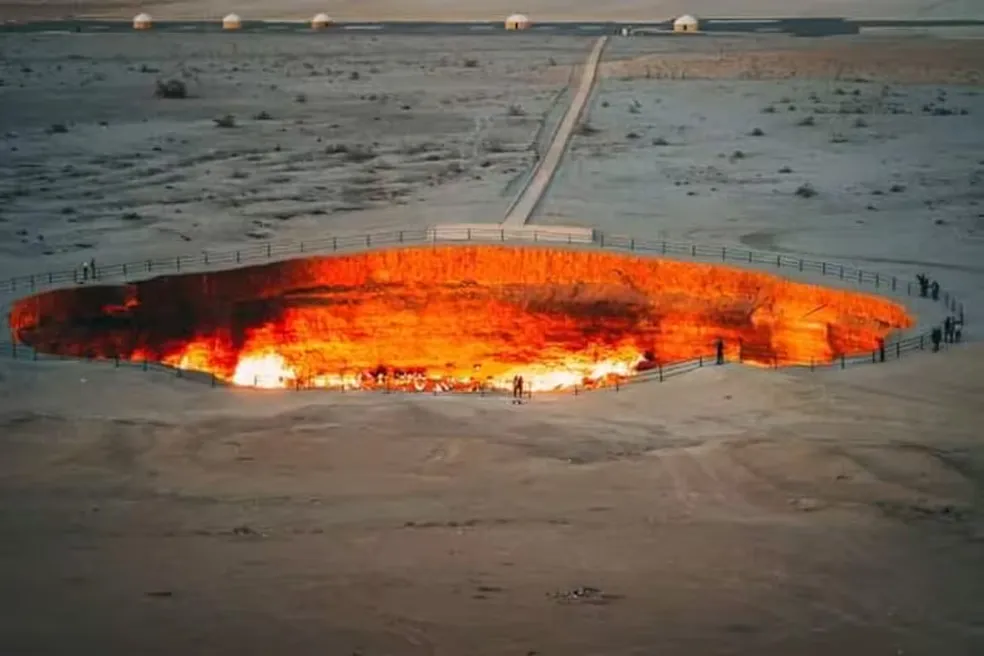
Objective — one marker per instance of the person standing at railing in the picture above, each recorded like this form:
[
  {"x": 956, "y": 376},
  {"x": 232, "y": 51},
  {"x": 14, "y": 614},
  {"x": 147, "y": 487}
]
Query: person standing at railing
[
  {"x": 720, "y": 351},
  {"x": 923, "y": 285},
  {"x": 936, "y": 337},
  {"x": 935, "y": 290},
  {"x": 948, "y": 330},
  {"x": 881, "y": 349}
]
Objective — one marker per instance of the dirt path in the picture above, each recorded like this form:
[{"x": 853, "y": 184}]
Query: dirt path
[{"x": 526, "y": 203}]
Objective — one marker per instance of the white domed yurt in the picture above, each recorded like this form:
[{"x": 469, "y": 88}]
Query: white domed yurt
[
  {"x": 686, "y": 23},
  {"x": 231, "y": 22},
  {"x": 142, "y": 22},
  {"x": 321, "y": 21},
  {"x": 518, "y": 22}
]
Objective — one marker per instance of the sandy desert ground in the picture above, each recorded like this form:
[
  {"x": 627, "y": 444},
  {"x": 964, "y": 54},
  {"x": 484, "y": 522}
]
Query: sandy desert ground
[{"x": 728, "y": 511}]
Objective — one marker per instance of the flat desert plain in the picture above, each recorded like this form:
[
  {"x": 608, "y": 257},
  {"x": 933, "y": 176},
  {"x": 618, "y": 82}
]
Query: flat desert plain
[{"x": 728, "y": 511}]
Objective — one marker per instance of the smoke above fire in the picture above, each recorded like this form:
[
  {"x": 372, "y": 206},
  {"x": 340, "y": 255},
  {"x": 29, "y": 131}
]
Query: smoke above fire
[{"x": 454, "y": 317}]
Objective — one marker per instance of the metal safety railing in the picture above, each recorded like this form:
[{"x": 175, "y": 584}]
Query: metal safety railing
[{"x": 270, "y": 252}]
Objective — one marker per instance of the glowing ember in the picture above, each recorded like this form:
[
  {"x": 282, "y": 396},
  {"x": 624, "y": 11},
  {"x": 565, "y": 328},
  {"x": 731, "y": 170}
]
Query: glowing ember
[{"x": 455, "y": 318}]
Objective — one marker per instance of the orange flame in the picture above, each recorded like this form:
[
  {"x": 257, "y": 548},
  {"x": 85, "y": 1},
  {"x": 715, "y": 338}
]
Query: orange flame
[{"x": 455, "y": 317}]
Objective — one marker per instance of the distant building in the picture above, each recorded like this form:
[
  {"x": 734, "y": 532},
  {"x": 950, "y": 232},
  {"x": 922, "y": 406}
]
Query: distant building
[
  {"x": 231, "y": 22},
  {"x": 142, "y": 22},
  {"x": 518, "y": 22},
  {"x": 686, "y": 23},
  {"x": 321, "y": 21}
]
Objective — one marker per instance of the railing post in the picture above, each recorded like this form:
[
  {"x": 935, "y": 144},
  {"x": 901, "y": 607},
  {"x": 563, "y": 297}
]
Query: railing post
[
  {"x": 32, "y": 281},
  {"x": 51, "y": 278},
  {"x": 150, "y": 265},
  {"x": 842, "y": 272},
  {"x": 894, "y": 283},
  {"x": 469, "y": 234},
  {"x": 749, "y": 257},
  {"x": 874, "y": 357},
  {"x": 693, "y": 250},
  {"x": 664, "y": 248},
  {"x": 401, "y": 236},
  {"x": 368, "y": 240},
  {"x": 922, "y": 344},
  {"x": 300, "y": 247},
  {"x": 908, "y": 289},
  {"x": 237, "y": 257},
  {"x": 212, "y": 377},
  {"x": 801, "y": 264},
  {"x": 268, "y": 250},
  {"x": 700, "y": 361},
  {"x": 116, "y": 361},
  {"x": 724, "y": 253},
  {"x": 660, "y": 373},
  {"x": 502, "y": 234},
  {"x": 823, "y": 268},
  {"x": 145, "y": 364},
  {"x": 778, "y": 261},
  {"x": 898, "y": 350},
  {"x": 575, "y": 389},
  {"x": 177, "y": 263},
  {"x": 535, "y": 236},
  {"x": 632, "y": 244},
  {"x": 811, "y": 364},
  {"x": 601, "y": 239},
  {"x": 843, "y": 363},
  {"x": 205, "y": 258},
  {"x": 860, "y": 275},
  {"x": 334, "y": 243},
  {"x": 877, "y": 280}
]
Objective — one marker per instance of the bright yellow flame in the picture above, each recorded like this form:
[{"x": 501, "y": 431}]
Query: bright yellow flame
[{"x": 268, "y": 371}]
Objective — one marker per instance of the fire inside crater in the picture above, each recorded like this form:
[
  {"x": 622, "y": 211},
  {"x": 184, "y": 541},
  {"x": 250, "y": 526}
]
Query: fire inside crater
[{"x": 454, "y": 317}]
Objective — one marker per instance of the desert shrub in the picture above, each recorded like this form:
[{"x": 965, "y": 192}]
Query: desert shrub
[
  {"x": 470, "y": 62},
  {"x": 807, "y": 121},
  {"x": 516, "y": 110},
  {"x": 173, "y": 89},
  {"x": 860, "y": 123},
  {"x": 263, "y": 116},
  {"x": 227, "y": 121},
  {"x": 586, "y": 128},
  {"x": 786, "y": 169},
  {"x": 757, "y": 132},
  {"x": 806, "y": 191},
  {"x": 660, "y": 141},
  {"x": 769, "y": 109}
]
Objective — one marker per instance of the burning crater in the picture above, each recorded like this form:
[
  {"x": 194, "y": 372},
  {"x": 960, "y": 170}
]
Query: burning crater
[{"x": 454, "y": 317}]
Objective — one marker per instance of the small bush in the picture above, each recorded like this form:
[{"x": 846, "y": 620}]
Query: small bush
[
  {"x": 805, "y": 191},
  {"x": 770, "y": 109},
  {"x": 516, "y": 110},
  {"x": 227, "y": 121},
  {"x": 57, "y": 128},
  {"x": 263, "y": 116},
  {"x": 354, "y": 75},
  {"x": 807, "y": 121},
  {"x": 786, "y": 169},
  {"x": 838, "y": 138},
  {"x": 860, "y": 123},
  {"x": 470, "y": 63},
  {"x": 300, "y": 98},
  {"x": 633, "y": 135},
  {"x": 660, "y": 141},
  {"x": 173, "y": 89},
  {"x": 757, "y": 132},
  {"x": 587, "y": 129},
  {"x": 738, "y": 154}
]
